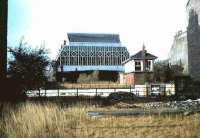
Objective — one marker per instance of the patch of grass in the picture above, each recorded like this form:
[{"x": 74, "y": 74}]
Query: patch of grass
[{"x": 33, "y": 120}]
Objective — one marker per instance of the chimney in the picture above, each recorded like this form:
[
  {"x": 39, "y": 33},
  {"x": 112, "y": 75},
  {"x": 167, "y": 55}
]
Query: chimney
[
  {"x": 143, "y": 51},
  {"x": 64, "y": 42},
  {"x": 143, "y": 57}
]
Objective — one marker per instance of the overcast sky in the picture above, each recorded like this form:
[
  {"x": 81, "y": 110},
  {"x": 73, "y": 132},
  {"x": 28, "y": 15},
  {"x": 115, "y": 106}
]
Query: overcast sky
[{"x": 153, "y": 23}]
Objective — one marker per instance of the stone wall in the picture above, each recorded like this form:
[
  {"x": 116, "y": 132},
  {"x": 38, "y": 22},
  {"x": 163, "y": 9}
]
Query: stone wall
[{"x": 193, "y": 36}]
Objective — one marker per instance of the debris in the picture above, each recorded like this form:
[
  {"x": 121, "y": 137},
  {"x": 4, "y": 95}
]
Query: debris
[
  {"x": 186, "y": 108},
  {"x": 125, "y": 105},
  {"x": 179, "y": 105}
]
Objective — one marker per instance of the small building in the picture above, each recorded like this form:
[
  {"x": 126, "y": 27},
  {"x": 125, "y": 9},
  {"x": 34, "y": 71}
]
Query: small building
[{"x": 139, "y": 68}]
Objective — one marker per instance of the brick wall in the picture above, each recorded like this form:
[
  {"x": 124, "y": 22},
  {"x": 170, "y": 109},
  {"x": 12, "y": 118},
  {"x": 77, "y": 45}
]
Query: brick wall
[
  {"x": 129, "y": 79},
  {"x": 138, "y": 78}
]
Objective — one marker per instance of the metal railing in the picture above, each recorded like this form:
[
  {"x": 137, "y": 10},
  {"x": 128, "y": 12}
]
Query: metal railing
[{"x": 140, "y": 91}]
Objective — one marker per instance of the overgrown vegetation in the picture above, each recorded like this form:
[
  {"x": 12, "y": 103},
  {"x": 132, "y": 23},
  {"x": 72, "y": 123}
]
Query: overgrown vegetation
[
  {"x": 48, "y": 120},
  {"x": 28, "y": 66},
  {"x": 164, "y": 72},
  {"x": 92, "y": 77}
]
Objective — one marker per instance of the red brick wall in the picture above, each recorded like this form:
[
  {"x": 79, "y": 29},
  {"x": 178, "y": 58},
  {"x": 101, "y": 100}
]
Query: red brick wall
[
  {"x": 136, "y": 78},
  {"x": 129, "y": 79}
]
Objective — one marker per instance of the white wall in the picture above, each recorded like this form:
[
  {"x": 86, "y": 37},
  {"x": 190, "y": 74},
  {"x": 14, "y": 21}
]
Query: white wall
[
  {"x": 130, "y": 66},
  {"x": 121, "y": 78}
]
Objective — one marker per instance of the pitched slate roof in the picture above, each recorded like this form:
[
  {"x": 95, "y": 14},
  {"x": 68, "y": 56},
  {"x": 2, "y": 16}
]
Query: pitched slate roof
[
  {"x": 139, "y": 55},
  {"x": 92, "y": 37}
]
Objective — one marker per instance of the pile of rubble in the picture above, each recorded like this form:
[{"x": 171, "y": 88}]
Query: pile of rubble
[
  {"x": 179, "y": 105},
  {"x": 187, "y": 107}
]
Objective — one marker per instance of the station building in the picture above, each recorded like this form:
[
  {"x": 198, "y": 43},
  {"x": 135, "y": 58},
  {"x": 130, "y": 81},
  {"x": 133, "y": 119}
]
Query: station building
[{"x": 88, "y": 52}]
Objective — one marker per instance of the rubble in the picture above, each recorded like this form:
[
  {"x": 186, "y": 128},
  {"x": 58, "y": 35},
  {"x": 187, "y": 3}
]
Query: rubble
[
  {"x": 122, "y": 105},
  {"x": 179, "y": 105},
  {"x": 186, "y": 108}
]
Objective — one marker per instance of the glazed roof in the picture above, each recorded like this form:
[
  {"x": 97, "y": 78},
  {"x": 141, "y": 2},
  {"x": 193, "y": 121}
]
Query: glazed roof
[{"x": 93, "y": 37}]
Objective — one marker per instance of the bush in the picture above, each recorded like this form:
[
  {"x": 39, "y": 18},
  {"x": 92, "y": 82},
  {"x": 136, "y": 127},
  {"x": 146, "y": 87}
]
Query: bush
[
  {"x": 94, "y": 76},
  {"x": 28, "y": 66}
]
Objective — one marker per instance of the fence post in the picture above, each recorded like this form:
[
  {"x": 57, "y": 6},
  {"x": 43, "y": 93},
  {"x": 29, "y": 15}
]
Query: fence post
[
  {"x": 77, "y": 92},
  {"x": 58, "y": 92},
  {"x": 96, "y": 92},
  {"x": 45, "y": 92},
  {"x": 39, "y": 92}
]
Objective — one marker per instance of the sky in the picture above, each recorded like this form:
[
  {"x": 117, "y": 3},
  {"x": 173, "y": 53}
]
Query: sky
[{"x": 152, "y": 23}]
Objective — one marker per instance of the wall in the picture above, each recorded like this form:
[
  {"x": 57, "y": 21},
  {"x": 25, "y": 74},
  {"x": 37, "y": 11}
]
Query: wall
[
  {"x": 129, "y": 79},
  {"x": 129, "y": 66},
  {"x": 137, "y": 78},
  {"x": 193, "y": 36},
  {"x": 142, "y": 78}
]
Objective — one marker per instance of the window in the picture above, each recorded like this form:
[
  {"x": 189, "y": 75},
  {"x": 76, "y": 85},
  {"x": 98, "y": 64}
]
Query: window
[
  {"x": 137, "y": 66},
  {"x": 148, "y": 65}
]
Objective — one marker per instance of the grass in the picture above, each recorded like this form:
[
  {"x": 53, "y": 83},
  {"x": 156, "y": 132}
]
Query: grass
[{"x": 50, "y": 120}]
